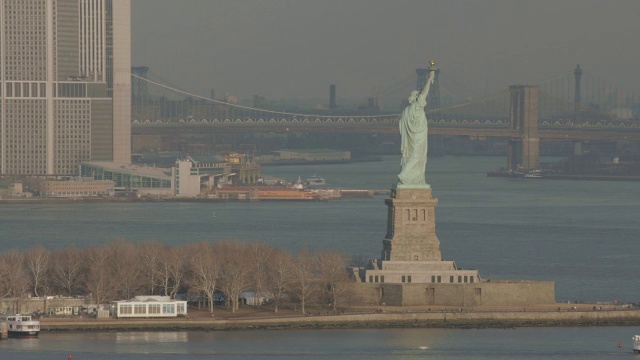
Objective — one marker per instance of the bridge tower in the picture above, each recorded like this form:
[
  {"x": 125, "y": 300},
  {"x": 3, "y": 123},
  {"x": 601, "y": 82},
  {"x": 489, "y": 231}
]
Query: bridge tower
[
  {"x": 524, "y": 151},
  {"x": 433, "y": 101}
]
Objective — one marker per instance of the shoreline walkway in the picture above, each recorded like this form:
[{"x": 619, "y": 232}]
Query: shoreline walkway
[{"x": 437, "y": 318}]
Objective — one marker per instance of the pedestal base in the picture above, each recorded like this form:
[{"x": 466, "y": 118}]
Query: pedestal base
[{"x": 411, "y": 229}]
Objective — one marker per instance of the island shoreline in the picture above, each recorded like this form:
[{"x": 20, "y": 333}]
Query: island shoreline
[{"x": 459, "y": 320}]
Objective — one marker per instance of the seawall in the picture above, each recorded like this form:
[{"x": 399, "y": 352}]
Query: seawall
[{"x": 453, "y": 319}]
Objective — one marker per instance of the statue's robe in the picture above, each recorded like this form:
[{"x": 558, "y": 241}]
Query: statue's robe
[{"x": 413, "y": 130}]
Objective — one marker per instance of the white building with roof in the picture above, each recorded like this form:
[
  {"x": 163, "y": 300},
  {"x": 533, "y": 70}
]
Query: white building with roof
[
  {"x": 185, "y": 179},
  {"x": 148, "y": 306}
]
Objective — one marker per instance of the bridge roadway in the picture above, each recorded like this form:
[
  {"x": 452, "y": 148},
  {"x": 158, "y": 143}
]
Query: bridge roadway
[{"x": 599, "y": 131}]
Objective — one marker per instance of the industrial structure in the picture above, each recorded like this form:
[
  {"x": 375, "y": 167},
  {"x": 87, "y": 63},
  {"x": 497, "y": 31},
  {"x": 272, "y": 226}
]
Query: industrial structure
[
  {"x": 65, "y": 77},
  {"x": 189, "y": 176}
]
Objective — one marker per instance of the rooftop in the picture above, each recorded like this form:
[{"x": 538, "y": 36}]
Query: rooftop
[{"x": 142, "y": 170}]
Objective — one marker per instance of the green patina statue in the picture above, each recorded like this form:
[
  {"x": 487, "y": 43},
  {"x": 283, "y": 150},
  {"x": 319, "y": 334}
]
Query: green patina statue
[{"x": 413, "y": 130}]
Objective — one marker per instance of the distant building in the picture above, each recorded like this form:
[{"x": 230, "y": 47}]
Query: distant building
[
  {"x": 243, "y": 167},
  {"x": 193, "y": 173},
  {"x": 11, "y": 189},
  {"x": 622, "y": 113},
  {"x": 187, "y": 178},
  {"x": 315, "y": 155},
  {"x": 305, "y": 155},
  {"x": 65, "y": 85},
  {"x": 145, "y": 180},
  {"x": 76, "y": 188},
  {"x": 47, "y": 304}
]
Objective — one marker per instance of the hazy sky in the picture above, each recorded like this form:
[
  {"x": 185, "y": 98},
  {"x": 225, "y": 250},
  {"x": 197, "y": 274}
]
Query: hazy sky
[{"x": 297, "y": 48}]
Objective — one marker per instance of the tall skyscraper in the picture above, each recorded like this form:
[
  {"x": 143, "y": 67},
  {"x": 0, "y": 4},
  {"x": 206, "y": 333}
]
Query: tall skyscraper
[{"x": 65, "y": 84}]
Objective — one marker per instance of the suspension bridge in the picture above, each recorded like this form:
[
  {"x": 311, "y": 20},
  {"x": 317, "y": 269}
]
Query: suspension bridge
[{"x": 568, "y": 107}]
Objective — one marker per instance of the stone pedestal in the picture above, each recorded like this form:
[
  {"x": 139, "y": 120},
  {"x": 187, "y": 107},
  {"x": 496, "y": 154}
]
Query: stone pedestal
[
  {"x": 413, "y": 273},
  {"x": 411, "y": 227}
]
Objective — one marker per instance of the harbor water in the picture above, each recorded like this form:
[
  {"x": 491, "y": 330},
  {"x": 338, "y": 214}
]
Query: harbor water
[
  {"x": 381, "y": 344},
  {"x": 583, "y": 235}
]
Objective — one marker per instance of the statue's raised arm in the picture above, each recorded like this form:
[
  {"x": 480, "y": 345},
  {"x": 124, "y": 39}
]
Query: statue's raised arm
[
  {"x": 414, "y": 131},
  {"x": 422, "y": 97}
]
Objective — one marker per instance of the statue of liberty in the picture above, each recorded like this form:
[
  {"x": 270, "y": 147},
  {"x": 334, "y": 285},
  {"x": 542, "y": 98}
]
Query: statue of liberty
[{"x": 413, "y": 131}]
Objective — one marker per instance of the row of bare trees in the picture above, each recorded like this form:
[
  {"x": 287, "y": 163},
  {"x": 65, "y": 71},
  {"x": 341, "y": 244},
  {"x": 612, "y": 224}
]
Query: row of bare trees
[{"x": 121, "y": 270}]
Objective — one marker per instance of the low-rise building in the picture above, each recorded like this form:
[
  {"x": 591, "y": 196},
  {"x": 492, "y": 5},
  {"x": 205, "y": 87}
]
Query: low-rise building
[
  {"x": 76, "y": 188},
  {"x": 312, "y": 155},
  {"x": 13, "y": 189},
  {"x": 188, "y": 176},
  {"x": 305, "y": 155},
  {"x": 145, "y": 180},
  {"x": 148, "y": 306}
]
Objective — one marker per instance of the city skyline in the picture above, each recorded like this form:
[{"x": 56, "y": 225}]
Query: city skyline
[{"x": 296, "y": 49}]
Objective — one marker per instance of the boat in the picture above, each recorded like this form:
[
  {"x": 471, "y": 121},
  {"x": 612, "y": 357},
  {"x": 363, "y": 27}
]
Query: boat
[
  {"x": 315, "y": 180},
  {"x": 636, "y": 344},
  {"x": 21, "y": 326},
  {"x": 517, "y": 174},
  {"x": 533, "y": 174},
  {"x": 526, "y": 173}
]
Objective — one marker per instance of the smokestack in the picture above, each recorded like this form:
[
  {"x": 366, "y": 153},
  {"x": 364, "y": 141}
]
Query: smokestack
[
  {"x": 576, "y": 111},
  {"x": 332, "y": 96}
]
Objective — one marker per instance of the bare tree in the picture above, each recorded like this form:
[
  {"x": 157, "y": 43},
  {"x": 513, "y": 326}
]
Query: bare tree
[
  {"x": 151, "y": 253},
  {"x": 15, "y": 280},
  {"x": 172, "y": 270},
  {"x": 260, "y": 256},
  {"x": 126, "y": 269},
  {"x": 205, "y": 269},
  {"x": 4, "y": 276},
  {"x": 332, "y": 274},
  {"x": 69, "y": 269},
  {"x": 236, "y": 271},
  {"x": 305, "y": 278},
  {"x": 99, "y": 280},
  {"x": 37, "y": 261},
  {"x": 279, "y": 275}
]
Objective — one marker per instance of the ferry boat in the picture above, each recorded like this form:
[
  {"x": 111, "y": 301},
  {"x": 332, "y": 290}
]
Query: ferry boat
[
  {"x": 315, "y": 180},
  {"x": 21, "y": 326},
  {"x": 636, "y": 344}
]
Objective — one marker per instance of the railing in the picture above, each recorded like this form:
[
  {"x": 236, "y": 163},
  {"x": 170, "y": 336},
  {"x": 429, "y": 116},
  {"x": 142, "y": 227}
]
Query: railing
[{"x": 374, "y": 121}]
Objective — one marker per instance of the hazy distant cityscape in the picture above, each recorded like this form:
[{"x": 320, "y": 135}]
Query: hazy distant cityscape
[{"x": 180, "y": 166}]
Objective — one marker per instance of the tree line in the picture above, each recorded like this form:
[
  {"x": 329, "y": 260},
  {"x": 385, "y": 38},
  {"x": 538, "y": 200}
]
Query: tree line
[{"x": 120, "y": 270}]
